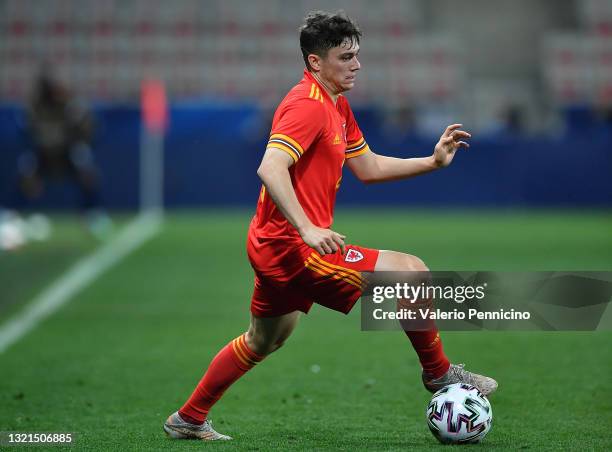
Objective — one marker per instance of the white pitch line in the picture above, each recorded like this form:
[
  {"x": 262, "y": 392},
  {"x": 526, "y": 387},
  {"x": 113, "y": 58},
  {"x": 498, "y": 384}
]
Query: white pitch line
[{"x": 79, "y": 276}]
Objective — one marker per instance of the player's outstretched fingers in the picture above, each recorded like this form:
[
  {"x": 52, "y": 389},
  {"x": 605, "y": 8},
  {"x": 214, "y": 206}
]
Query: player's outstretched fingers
[
  {"x": 463, "y": 144},
  {"x": 448, "y": 140},
  {"x": 461, "y": 134},
  {"x": 450, "y": 129}
]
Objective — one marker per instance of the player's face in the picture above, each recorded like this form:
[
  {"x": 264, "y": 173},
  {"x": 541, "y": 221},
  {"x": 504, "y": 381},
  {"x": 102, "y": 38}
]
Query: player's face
[{"x": 340, "y": 66}]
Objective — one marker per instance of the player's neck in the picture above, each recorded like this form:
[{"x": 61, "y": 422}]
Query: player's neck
[{"x": 326, "y": 87}]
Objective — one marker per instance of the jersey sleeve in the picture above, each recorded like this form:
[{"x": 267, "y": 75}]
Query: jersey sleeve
[
  {"x": 295, "y": 127},
  {"x": 355, "y": 141}
]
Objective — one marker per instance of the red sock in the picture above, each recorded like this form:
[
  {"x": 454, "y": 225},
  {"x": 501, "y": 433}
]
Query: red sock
[
  {"x": 231, "y": 363},
  {"x": 428, "y": 346},
  {"x": 425, "y": 339}
]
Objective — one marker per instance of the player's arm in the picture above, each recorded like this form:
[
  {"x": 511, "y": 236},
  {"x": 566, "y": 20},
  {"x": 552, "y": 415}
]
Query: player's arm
[
  {"x": 274, "y": 173},
  {"x": 371, "y": 167}
]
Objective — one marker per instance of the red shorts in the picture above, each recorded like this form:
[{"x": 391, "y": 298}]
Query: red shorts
[{"x": 333, "y": 280}]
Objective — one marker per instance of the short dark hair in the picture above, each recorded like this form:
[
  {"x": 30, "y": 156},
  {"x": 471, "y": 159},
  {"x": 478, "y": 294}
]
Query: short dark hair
[{"x": 322, "y": 30}]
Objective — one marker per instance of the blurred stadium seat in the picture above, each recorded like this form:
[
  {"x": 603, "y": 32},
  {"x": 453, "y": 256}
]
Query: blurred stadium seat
[
  {"x": 104, "y": 48},
  {"x": 516, "y": 67},
  {"x": 578, "y": 68}
]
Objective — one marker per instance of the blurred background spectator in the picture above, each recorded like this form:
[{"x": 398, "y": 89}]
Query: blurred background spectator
[{"x": 60, "y": 132}]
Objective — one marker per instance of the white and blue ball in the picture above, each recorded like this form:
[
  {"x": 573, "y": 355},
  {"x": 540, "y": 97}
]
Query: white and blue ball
[{"x": 459, "y": 413}]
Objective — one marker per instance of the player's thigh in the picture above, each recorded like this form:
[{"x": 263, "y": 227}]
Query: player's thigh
[
  {"x": 393, "y": 266},
  {"x": 269, "y": 332},
  {"x": 391, "y": 261}
]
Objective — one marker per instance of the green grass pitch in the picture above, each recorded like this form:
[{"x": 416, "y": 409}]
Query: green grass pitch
[{"x": 127, "y": 351}]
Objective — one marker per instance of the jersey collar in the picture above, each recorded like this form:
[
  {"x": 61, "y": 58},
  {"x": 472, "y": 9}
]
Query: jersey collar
[{"x": 309, "y": 77}]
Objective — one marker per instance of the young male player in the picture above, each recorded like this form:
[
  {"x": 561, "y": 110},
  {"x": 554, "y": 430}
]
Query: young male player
[{"x": 298, "y": 260}]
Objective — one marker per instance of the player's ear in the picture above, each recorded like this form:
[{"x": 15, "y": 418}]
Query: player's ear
[{"x": 314, "y": 61}]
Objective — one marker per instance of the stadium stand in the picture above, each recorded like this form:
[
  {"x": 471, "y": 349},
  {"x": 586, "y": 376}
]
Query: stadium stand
[
  {"x": 103, "y": 49},
  {"x": 577, "y": 65},
  {"x": 532, "y": 80}
]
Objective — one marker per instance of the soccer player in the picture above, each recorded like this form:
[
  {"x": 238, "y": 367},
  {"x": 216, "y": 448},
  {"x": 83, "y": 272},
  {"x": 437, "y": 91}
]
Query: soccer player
[{"x": 298, "y": 260}]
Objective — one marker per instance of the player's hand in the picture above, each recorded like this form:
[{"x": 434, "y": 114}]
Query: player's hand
[
  {"x": 323, "y": 241},
  {"x": 450, "y": 141}
]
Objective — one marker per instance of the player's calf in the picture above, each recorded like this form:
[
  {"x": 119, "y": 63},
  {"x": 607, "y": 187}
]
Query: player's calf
[{"x": 266, "y": 335}]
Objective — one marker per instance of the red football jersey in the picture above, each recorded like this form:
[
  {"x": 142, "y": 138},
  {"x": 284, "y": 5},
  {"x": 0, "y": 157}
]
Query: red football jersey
[{"x": 319, "y": 135}]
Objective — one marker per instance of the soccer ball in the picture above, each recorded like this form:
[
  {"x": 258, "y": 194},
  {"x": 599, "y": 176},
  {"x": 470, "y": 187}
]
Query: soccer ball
[{"x": 458, "y": 414}]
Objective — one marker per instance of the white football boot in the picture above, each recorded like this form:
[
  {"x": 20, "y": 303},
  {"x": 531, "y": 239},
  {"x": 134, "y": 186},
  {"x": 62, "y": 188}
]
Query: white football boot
[
  {"x": 457, "y": 374},
  {"x": 175, "y": 427}
]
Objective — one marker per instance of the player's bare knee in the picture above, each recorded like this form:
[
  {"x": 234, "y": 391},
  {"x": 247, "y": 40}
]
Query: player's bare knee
[
  {"x": 400, "y": 262},
  {"x": 261, "y": 348},
  {"x": 408, "y": 263},
  {"x": 277, "y": 345},
  {"x": 417, "y": 264},
  {"x": 419, "y": 272},
  {"x": 259, "y": 343}
]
